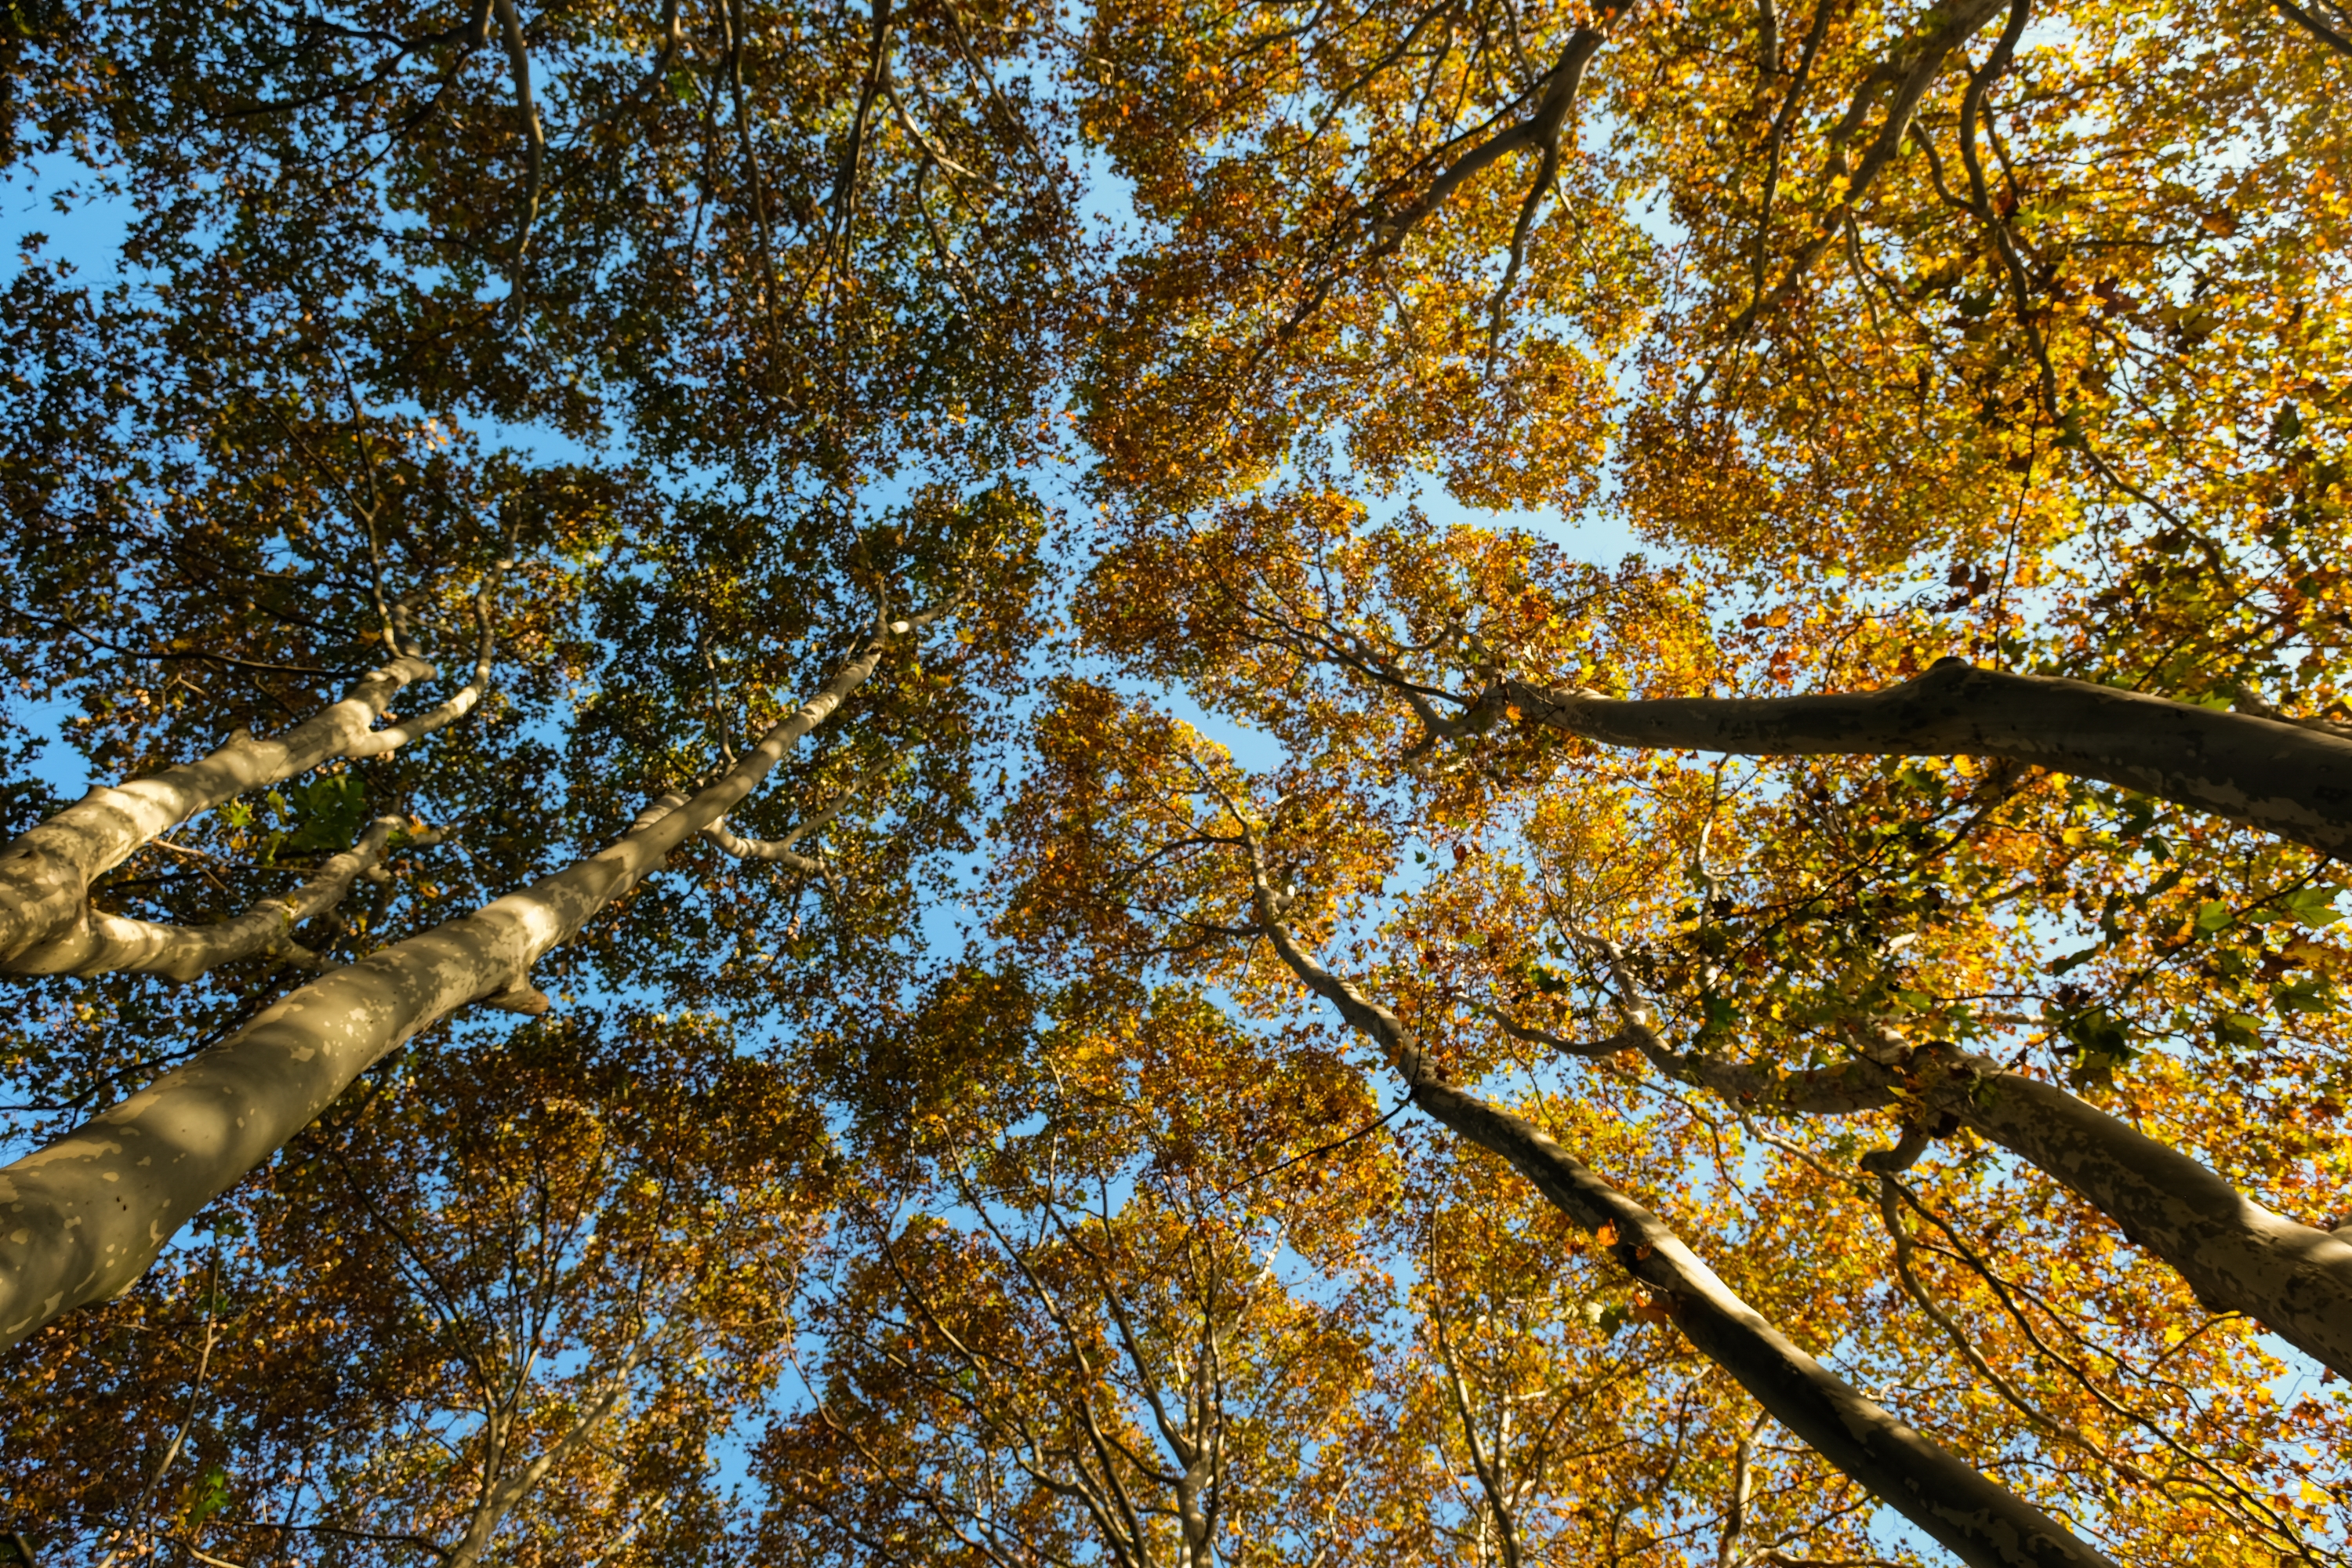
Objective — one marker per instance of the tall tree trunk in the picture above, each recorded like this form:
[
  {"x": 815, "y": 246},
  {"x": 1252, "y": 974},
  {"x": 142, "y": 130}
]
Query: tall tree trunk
[
  {"x": 82, "y": 1219},
  {"x": 1982, "y": 1523},
  {"x": 2293, "y": 780},
  {"x": 2238, "y": 1256}
]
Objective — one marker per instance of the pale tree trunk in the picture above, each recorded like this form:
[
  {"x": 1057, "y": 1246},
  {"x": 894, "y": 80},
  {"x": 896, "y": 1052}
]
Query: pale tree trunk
[
  {"x": 45, "y": 875},
  {"x": 82, "y": 1219},
  {"x": 2236, "y": 1254},
  {"x": 1729, "y": 1551},
  {"x": 2291, "y": 778},
  {"x": 501, "y": 1493},
  {"x": 2288, "y": 778},
  {"x": 1195, "y": 1435},
  {"x": 1980, "y": 1521},
  {"x": 100, "y": 943},
  {"x": 1492, "y": 1470}
]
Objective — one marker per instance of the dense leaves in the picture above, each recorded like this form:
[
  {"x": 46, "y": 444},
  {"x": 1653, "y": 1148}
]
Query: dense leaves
[{"x": 1011, "y": 1136}]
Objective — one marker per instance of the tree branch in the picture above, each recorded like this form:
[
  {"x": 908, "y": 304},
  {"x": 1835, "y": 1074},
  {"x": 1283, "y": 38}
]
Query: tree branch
[
  {"x": 1982, "y": 1523},
  {"x": 2288, "y": 779},
  {"x": 100, "y": 943},
  {"x": 2318, "y": 29}
]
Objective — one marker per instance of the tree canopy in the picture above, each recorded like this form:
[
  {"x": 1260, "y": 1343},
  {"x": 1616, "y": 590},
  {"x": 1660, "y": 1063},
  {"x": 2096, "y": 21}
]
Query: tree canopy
[{"x": 1177, "y": 782}]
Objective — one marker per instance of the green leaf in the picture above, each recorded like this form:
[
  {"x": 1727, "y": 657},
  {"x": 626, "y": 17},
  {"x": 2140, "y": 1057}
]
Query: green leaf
[
  {"x": 2095, "y": 1031},
  {"x": 212, "y": 1496},
  {"x": 2212, "y": 915},
  {"x": 2313, "y": 993},
  {"x": 2314, "y": 907},
  {"x": 328, "y": 811},
  {"x": 1547, "y": 979},
  {"x": 2242, "y": 1030}
]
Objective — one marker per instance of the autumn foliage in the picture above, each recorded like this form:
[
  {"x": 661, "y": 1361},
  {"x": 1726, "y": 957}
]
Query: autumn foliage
[{"x": 1177, "y": 782}]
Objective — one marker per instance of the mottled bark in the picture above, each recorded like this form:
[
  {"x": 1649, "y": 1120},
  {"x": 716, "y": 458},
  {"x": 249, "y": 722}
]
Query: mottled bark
[
  {"x": 2236, "y": 1254},
  {"x": 45, "y": 875},
  {"x": 99, "y": 943},
  {"x": 82, "y": 1218},
  {"x": 1977, "y": 1520},
  {"x": 1491, "y": 1468},
  {"x": 1980, "y": 1521},
  {"x": 2293, "y": 780}
]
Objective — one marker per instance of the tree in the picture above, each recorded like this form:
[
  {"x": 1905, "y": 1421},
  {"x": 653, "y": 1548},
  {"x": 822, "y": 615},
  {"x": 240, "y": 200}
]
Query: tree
[
  {"x": 1047, "y": 1374},
  {"x": 1952, "y": 1059},
  {"x": 1336, "y": 841},
  {"x": 509, "y": 1260}
]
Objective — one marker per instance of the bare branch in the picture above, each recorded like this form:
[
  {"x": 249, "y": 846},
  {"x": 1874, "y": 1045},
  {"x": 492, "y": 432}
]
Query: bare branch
[
  {"x": 2318, "y": 29},
  {"x": 100, "y": 943},
  {"x": 534, "y": 134}
]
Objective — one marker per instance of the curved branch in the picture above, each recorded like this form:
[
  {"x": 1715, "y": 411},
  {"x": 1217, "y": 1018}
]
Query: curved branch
[
  {"x": 45, "y": 875},
  {"x": 1911, "y": 69},
  {"x": 780, "y": 850},
  {"x": 1559, "y": 86},
  {"x": 2287, "y": 779},
  {"x": 2236, "y": 1254},
  {"x": 1540, "y": 130},
  {"x": 100, "y": 943},
  {"x": 1550, "y": 117},
  {"x": 391, "y": 738},
  {"x": 1980, "y": 1521}
]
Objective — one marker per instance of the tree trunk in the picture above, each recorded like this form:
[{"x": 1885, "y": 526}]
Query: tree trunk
[
  {"x": 2289, "y": 779},
  {"x": 1980, "y": 1521},
  {"x": 2294, "y": 1280},
  {"x": 82, "y": 1219},
  {"x": 499, "y": 1494},
  {"x": 1984, "y": 1523},
  {"x": 45, "y": 875},
  {"x": 2238, "y": 1256}
]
